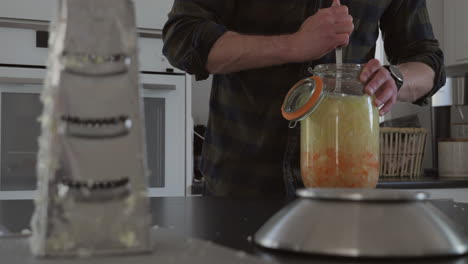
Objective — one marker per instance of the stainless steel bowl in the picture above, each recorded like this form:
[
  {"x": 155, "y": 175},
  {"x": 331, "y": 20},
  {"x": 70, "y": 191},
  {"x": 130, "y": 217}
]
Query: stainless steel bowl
[{"x": 362, "y": 223}]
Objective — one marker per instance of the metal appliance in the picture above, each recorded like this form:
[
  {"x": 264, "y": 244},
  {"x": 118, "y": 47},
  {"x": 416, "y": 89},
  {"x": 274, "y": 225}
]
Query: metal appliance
[
  {"x": 362, "y": 223},
  {"x": 460, "y": 91},
  {"x": 454, "y": 93},
  {"x": 92, "y": 170},
  {"x": 166, "y": 93},
  {"x": 453, "y": 96}
]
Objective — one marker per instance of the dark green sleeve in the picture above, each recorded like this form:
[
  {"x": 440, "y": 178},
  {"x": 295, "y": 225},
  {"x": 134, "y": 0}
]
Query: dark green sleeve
[
  {"x": 191, "y": 30},
  {"x": 408, "y": 37}
]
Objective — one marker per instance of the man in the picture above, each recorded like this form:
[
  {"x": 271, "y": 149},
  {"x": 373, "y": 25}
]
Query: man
[{"x": 258, "y": 49}]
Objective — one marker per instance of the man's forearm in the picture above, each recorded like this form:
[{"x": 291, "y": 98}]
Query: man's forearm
[
  {"x": 234, "y": 52},
  {"x": 419, "y": 80},
  {"x": 318, "y": 35}
]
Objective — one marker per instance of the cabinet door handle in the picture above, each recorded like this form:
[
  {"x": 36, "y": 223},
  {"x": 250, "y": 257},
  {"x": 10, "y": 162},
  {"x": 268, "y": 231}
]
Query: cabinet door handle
[
  {"x": 148, "y": 86},
  {"x": 464, "y": 59},
  {"x": 42, "y": 39}
]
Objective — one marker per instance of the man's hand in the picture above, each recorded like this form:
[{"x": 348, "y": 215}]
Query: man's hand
[
  {"x": 380, "y": 83},
  {"x": 321, "y": 33}
]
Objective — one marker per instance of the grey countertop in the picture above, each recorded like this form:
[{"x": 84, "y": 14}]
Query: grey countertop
[
  {"x": 424, "y": 182},
  {"x": 226, "y": 223}
]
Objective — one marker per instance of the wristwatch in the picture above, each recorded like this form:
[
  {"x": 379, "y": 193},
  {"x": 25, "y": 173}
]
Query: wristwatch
[{"x": 396, "y": 75}]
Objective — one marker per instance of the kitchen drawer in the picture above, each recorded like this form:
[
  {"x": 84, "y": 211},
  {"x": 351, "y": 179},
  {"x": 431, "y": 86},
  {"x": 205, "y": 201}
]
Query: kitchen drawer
[
  {"x": 42, "y": 10},
  {"x": 18, "y": 46},
  {"x": 151, "y": 57},
  {"x": 150, "y": 14}
]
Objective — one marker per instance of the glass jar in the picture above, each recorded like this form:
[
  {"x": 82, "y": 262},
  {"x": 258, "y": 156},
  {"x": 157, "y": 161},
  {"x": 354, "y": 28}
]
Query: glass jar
[{"x": 339, "y": 128}]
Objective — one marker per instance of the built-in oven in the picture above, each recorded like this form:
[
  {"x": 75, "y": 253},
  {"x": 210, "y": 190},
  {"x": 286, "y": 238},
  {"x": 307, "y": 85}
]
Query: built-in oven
[{"x": 167, "y": 106}]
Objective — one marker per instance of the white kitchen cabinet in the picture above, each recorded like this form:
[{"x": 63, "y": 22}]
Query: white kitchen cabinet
[
  {"x": 456, "y": 32},
  {"x": 151, "y": 14},
  {"x": 461, "y": 34}
]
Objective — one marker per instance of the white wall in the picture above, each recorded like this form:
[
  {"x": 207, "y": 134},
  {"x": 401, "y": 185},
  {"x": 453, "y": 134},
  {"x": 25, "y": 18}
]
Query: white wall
[{"x": 436, "y": 14}]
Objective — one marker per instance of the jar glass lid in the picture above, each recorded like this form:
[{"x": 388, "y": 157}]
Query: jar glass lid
[{"x": 303, "y": 98}]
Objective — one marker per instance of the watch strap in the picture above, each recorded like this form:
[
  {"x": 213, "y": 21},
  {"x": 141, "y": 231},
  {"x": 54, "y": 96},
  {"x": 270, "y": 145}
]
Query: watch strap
[{"x": 398, "y": 82}]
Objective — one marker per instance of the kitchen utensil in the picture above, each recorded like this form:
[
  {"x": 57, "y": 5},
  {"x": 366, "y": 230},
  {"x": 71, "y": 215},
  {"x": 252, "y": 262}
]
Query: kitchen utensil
[
  {"x": 362, "y": 223},
  {"x": 92, "y": 161}
]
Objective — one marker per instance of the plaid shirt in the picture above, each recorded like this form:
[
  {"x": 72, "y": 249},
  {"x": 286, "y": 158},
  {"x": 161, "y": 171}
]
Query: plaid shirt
[{"x": 246, "y": 135}]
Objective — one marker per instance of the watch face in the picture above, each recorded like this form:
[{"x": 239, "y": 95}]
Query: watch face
[{"x": 396, "y": 72}]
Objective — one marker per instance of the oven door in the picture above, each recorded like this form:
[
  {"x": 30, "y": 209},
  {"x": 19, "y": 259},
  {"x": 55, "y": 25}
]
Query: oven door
[
  {"x": 20, "y": 108},
  {"x": 165, "y": 117},
  {"x": 165, "y": 109}
]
